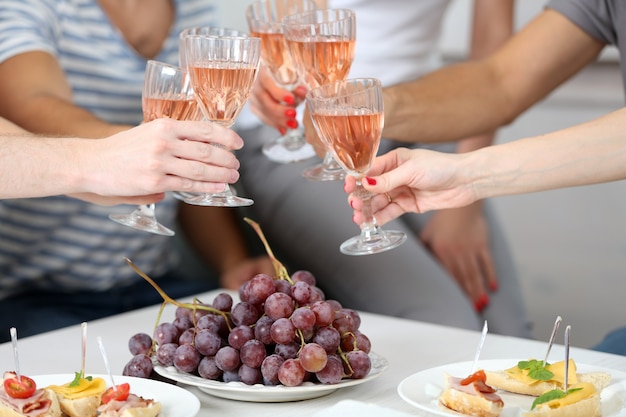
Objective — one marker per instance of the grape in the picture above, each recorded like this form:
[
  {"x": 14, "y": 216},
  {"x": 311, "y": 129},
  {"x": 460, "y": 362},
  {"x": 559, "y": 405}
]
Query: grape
[
  {"x": 336, "y": 305},
  {"x": 252, "y": 353},
  {"x": 287, "y": 351},
  {"x": 182, "y": 324},
  {"x": 239, "y": 336},
  {"x": 207, "y": 342},
  {"x": 249, "y": 375},
  {"x": 303, "y": 318},
  {"x": 182, "y": 312},
  {"x": 208, "y": 369},
  {"x": 223, "y": 302},
  {"x": 332, "y": 372},
  {"x": 262, "y": 330},
  {"x": 291, "y": 373},
  {"x": 301, "y": 292},
  {"x": 304, "y": 276},
  {"x": 259, "y": 288},
  {"x": 165, "y": 354},
  {"x": 324, "y": 313},
  {"x": 356, "y": 341},
  {"x": 244, "y": 313},
  {"x": 355, "y": 318},
  {"x": 281, "y": 285},
  {"x": 165, "y": 333},
  {"x": 231, "y": 376},
  {"x": 139, "y": 366},
  {"x": 139, "y": 343},
  {"x": 312, "y": 357},
  {"x": 282, "y": 331},
  {"x": 227, "y": 358},
  {"x": 316, "y": 295},
  {"x": 360, "y": 363},
  {"x": 269, "y": 369},
  {"x": 279, "y": 305},
  {"x": 186, "y": 358},
  {"x": 209, "y": 322},
  {"x": 187, "y": 337},
  {"x": 344, "y": 322},
  {"x": 328, "y": 338}
]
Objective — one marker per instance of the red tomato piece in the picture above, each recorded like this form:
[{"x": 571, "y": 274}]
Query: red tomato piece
[
  {"x": 476, "y": 376},
  {"x": 23, "y": 387},
  {"x": 117, "y": 393}
]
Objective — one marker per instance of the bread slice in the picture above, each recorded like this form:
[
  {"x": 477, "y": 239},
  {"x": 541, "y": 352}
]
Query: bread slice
[
  {"x": 472, "y": 405},
  {"x": 500, "y": 380},
  {"x": 54, "y": 410},
  {"x": 80, "y": 407},
  {"x": 589, "y": 407}
]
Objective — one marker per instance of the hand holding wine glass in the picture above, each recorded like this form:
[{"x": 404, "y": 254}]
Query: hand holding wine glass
[
  {"x": 321, "y": 43},
  {"x": 167, "y": 93},
  {"x": 348, "y": 116},
  {"x": 265, "y": 21},
  {"x": 222, "y": 70}
]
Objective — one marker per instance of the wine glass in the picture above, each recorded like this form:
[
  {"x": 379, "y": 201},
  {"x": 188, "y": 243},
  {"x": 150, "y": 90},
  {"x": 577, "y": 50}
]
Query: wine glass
[
  {"x": 348, "y": 117},
  {"x": 222, "y": 70},
  {"x": 264, "y": 20},
  {"x": 166, "y": 92},
  {"x": 182, "y": 60},
  {"x": 321, "y": 43}
]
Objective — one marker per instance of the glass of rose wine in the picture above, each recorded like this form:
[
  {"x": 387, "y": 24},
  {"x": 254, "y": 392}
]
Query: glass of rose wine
[
  {"x": 222, "y": 70},
  {"x": 321, "y": 43},
  {"x": 348, "y": 117},
  {"x": 265, "y": 21},
  {"x": 166, "y": 92}
]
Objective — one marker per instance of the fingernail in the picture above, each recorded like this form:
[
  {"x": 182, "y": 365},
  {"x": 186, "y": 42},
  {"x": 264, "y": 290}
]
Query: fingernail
[
  {"x": 289, "y": 99},
  {"x": 282, "y": 130},
  {"x": 482, "y": 302},
  {"x": 351, "y": 204},
  {"x": 370, "y": 181},
  {"x": 493, "y": 286},
  {"x": 292, "y": 123},
  {"x": 291, "y": 113}
]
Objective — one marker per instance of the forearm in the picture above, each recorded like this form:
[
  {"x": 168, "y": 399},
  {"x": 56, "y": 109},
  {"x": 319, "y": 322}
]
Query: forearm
[{"x": 591, "y": 153}]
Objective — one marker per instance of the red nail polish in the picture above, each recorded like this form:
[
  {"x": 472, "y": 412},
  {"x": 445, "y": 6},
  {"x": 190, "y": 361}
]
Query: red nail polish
[
  {"x": 477, "y": 306},
  {"x": 289, "y": 100},
  {"x": 352, "y": 204},
  {"x": 370, "y": 181},
  {"x": 282, "y": 130},
  {"x": 291, "y": 113},
  {"x": 292, "y": 123},
  {"x": 493, "y": 286}
]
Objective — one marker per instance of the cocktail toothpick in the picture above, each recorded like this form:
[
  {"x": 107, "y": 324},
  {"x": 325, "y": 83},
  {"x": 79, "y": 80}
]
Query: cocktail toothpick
[
  {"x": 557, "y": 322},
  {"x": 479, "y": 348},
  {"x": 568, "y": 329},
  {"x": 106, "y": 361},
  {"x": 13, "y": 333},
  {"x": 84, "y": 348}
]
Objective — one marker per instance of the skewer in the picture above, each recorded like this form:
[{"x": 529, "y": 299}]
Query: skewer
[
  {"x": 84, "y": 348},
  {"x": 567, "y": 343},
  {"x": 479, "y": 348},
  {"x": 106, "y": 362},
  {"x": 13, "y": 332},
  {"x": 552, "y": 336}
]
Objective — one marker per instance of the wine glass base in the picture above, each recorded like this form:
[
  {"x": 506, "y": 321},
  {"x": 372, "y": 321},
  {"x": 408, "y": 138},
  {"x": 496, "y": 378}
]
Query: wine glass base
[
  {"x": 322, "y": 173},
  {"x": 285, "y": 152},
  {"x": 141, "y": 222},
  {"x": 378, "y": 243},
  {"x": 218, "y": 200}
]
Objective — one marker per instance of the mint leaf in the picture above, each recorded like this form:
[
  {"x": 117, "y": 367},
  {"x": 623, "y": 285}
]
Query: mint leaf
[
  {"x": 536, "y": 370},
  {"x": 552, "y": 395}
]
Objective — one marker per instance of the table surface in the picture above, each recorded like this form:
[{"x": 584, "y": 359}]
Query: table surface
[{"x": 409, "y": 347}]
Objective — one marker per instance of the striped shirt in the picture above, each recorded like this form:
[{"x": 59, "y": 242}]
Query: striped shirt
[{"x": 62, "y": 243}]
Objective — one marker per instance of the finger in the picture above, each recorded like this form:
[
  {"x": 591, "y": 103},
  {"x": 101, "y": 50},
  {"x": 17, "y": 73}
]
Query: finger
[
  {"x": 205, "y": 153},
  {"x": 198, "y": 171},
  {"x": 489, "y": 269}
]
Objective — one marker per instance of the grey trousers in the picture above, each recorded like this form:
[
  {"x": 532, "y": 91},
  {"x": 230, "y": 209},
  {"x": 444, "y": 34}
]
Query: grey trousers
[{"x": 306, "y": 221}]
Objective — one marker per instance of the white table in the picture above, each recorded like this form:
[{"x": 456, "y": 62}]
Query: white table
[{"x": 409, "y": 346}]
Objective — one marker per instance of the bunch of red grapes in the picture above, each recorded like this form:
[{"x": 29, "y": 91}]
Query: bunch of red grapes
[{"x": 282, "y": 331}]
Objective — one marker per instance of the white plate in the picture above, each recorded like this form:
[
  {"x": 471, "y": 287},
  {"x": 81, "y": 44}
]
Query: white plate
[
  {"x": 422, "y": 389},
  {"x": 175, "y": 401},
  {"x": 263, "y": 393}
]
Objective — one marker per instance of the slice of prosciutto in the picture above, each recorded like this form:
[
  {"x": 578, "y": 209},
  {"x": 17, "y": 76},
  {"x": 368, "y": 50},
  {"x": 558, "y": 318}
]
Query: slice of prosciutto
[
  {"x": 476, "y": 387},
  {"x": 116, "y": 408},
  {"x": 36, "y": 405}
]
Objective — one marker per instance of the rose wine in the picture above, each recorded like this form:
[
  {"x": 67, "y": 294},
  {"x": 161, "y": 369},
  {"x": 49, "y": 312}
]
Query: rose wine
[
  {"x": 352, "y": 136},
  {"x": 321, "y": 61},
  {"x": 277, "y": 59},
  {"x": 222, "y": 89},
  {"x": 174, "y": 107}
]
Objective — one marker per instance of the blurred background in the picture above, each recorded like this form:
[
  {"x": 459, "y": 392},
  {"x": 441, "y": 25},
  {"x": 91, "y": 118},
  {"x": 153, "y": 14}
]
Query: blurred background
[{"x": 569, "y": 245}]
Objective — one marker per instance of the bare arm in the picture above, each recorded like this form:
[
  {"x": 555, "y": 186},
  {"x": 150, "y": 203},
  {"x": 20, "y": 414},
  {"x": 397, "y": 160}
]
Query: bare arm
[
  {"x": 32, "y": 84},
  {"x": 479, "y": 96}
]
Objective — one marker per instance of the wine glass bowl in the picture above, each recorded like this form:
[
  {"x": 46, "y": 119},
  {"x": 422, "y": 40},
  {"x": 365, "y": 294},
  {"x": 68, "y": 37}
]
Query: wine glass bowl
[
  {"x": 166, "y": 93},
  {"x": 321, "y": 42},
  {"x": 264, "y": 19},
  {"x": 222, "y": 70},
  {"x": 348, "y": 117}
]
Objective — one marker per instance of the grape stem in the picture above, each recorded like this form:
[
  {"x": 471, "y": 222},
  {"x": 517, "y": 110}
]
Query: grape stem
[{"x": 281, "y": 271}]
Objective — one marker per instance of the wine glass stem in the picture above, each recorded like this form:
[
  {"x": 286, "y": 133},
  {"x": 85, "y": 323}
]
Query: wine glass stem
[
  {"x": 369, "y": 228},
  {"x": 329, "y": 162},
  {"x": 147, "y": 210}
]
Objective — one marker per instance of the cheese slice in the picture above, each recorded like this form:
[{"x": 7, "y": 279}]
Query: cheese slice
[
  {"x": 84, "y": 388},
  {"x": 557, "y": 368}
]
